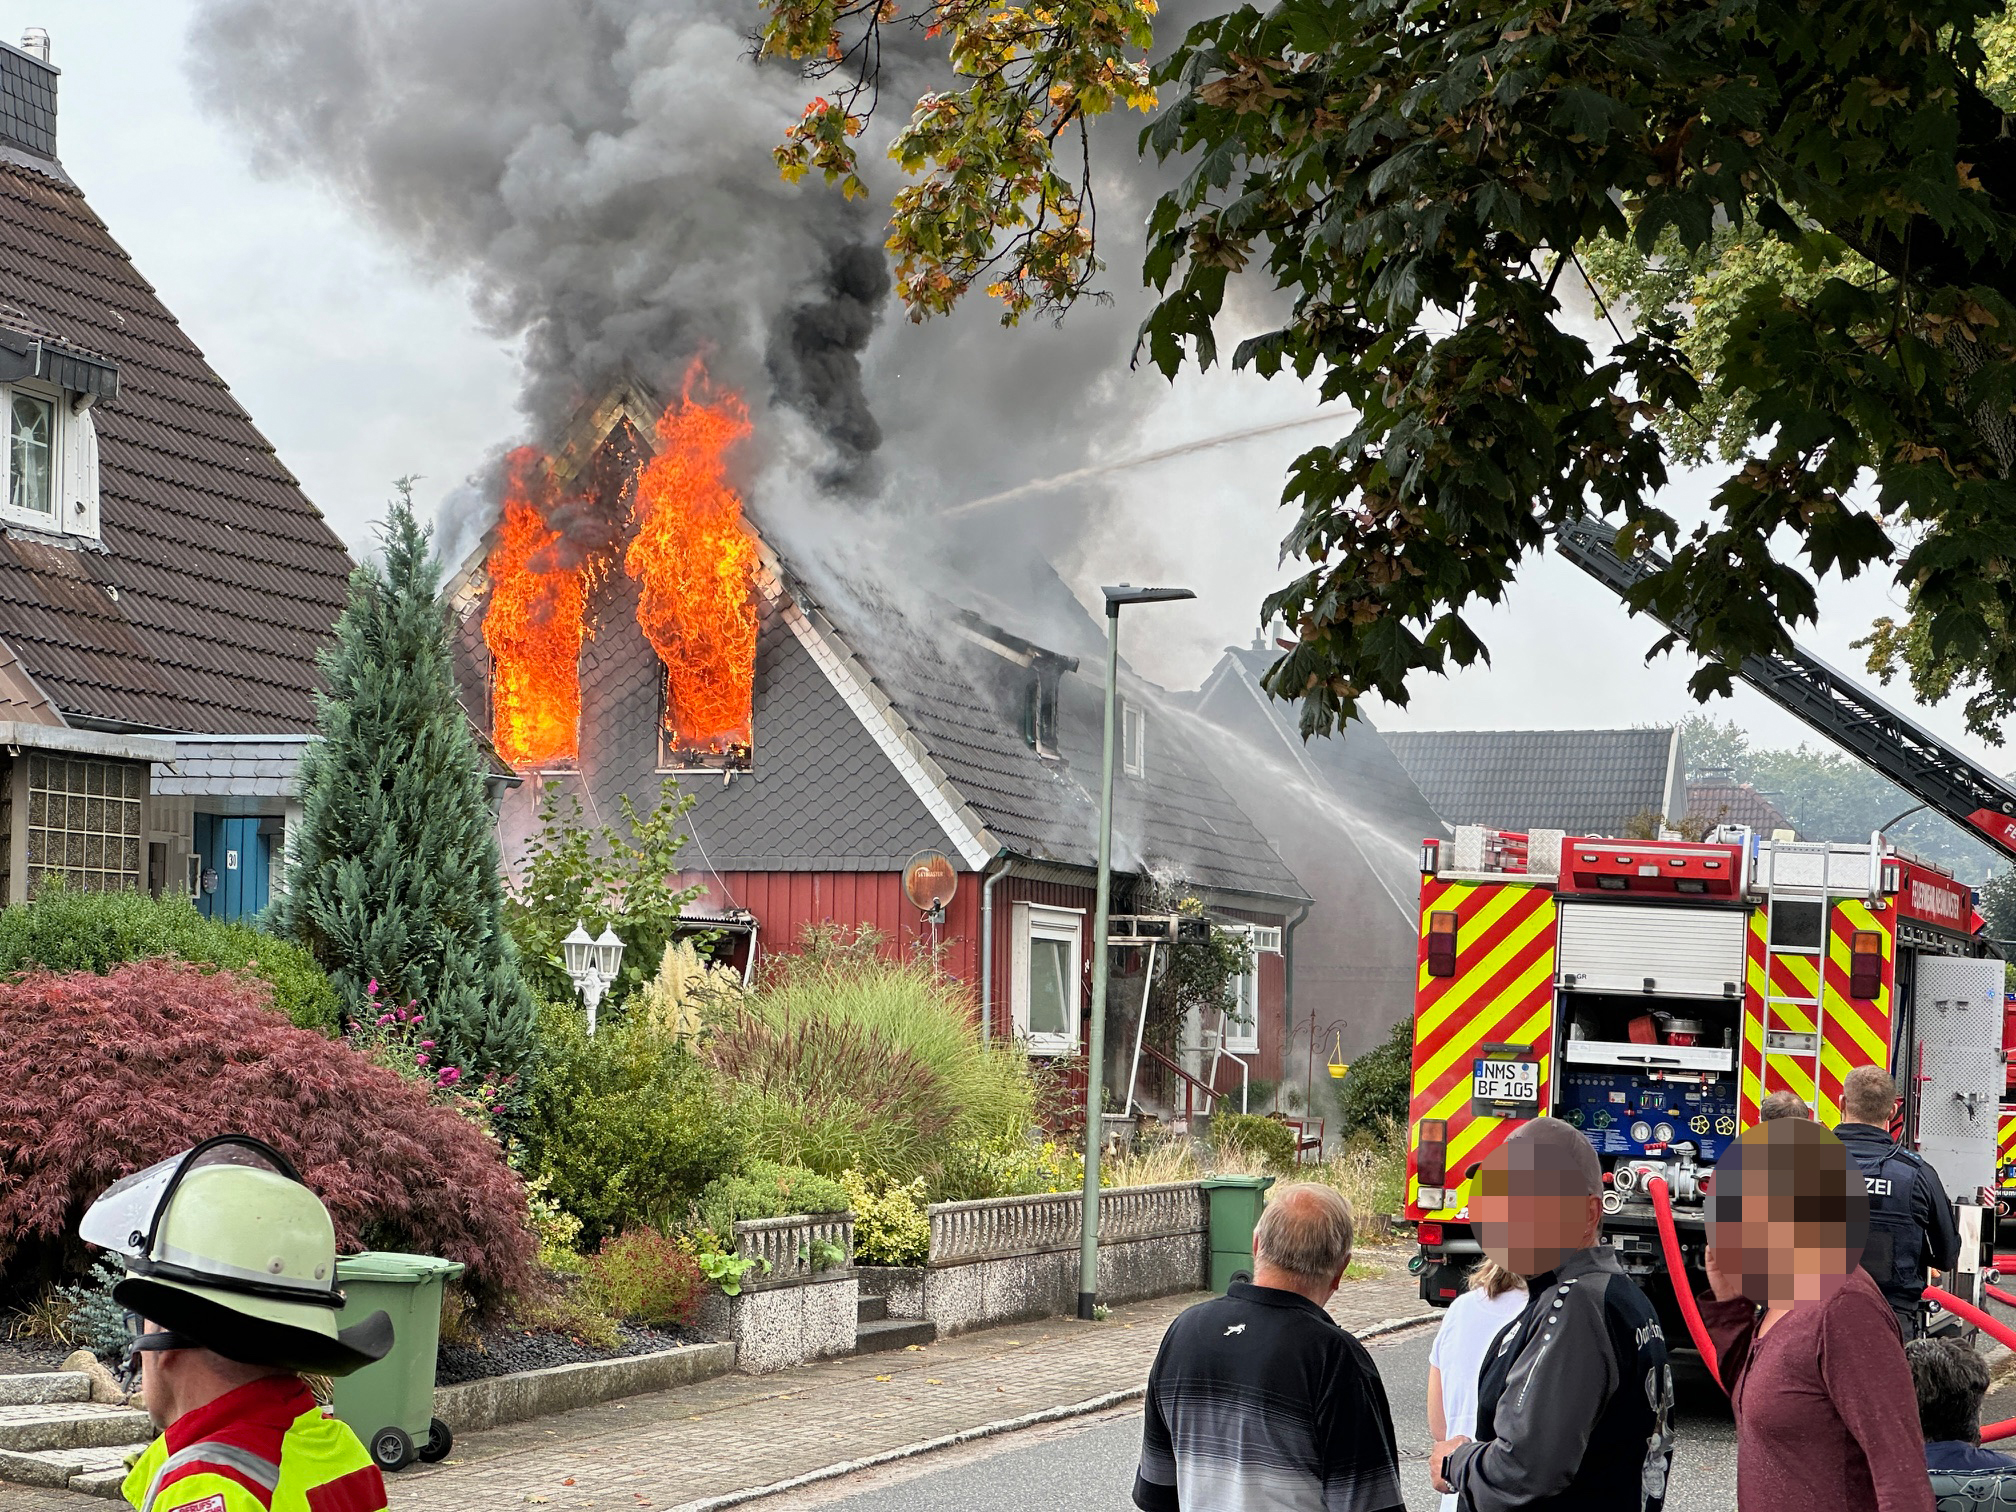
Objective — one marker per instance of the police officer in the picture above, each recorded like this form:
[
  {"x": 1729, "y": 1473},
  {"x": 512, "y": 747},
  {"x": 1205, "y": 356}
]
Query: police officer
[
  {"x": 231, "y": 1294},
  {"x": 1910, "y": 1221}
]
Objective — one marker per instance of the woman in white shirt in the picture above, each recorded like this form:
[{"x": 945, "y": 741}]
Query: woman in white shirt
[{"x": 1496, "y": 1296}]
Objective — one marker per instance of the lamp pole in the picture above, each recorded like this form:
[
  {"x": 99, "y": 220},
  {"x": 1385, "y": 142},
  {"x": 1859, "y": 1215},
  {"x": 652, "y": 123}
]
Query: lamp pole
[{"x": 1095, "y": 1061}]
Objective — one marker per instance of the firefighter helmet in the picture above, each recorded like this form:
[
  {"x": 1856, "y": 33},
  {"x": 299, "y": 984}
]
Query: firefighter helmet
[{"x": 226, "y": 1248}]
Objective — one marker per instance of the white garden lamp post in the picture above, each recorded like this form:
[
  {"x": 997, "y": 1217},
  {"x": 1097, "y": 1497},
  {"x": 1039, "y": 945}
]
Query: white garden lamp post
[{"x": 593, "y": 964}]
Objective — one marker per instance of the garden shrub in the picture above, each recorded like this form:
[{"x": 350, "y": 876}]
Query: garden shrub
[
  {"x": 688, "y": 990},
  {"x": 644, "y": 1277},
  {"x": 890, "y": 1224},
  {"x": 63, "y": 930},
  {"x": 103, "y": 1075},
  {"x": 628, "y": 1127},
  {"x": 1376, "y": 1088},
  {"x": 765, "y": 1189},
  {"x": 1268, "y": 1138},
  {"x": 1013, "y": 1166},
  {"x": 845, "y": 1060}
]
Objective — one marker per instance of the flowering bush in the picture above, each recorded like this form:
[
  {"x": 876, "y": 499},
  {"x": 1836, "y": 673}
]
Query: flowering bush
[
  {"x": 103, "y": 1075},
  {"x": 890, "y": 1225},
  {"x": 646, "y": 1278},
  {"x": 398, "y": 1039}
]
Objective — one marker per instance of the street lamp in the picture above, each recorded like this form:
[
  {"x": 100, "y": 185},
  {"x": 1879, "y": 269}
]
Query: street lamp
[
  {"x": 1088, "y": 1231},
  {"x": 593, "y": 964}
]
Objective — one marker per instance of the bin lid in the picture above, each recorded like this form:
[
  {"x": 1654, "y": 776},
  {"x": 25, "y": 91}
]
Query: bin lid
[
  {"x": 390, "y": 1266},
  {"x": 1252, "y": 1183}
]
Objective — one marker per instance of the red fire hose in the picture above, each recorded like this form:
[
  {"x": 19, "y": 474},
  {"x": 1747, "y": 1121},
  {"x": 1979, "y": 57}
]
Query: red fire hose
[
  {"x": 1998, "y": 1331},
  {"x": 1676, "y": 1268}
]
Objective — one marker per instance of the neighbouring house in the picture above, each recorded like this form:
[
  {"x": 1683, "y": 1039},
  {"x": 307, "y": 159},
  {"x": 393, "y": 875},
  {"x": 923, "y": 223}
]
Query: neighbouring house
[
  {"x": 1587, "y": 782},
  {"x": 1725, "y": 802},
  {"x": 164, "y": 583},
  {"x": 880, "y": 723},
  {"x": 1349, "y": 821}
]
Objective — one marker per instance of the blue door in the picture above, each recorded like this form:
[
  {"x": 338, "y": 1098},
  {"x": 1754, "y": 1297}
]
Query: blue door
[{"x": 235, "y": 860}]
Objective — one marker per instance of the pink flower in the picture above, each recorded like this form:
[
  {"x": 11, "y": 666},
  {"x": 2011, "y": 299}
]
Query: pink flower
[
  {"x": 420, "y": 1060},
  {"x": 371, "y": 988},
  {"x": 426, "y": 1044},
  {"x": 449, "y": 1076},
  {"x": 384, "y": 1019}
]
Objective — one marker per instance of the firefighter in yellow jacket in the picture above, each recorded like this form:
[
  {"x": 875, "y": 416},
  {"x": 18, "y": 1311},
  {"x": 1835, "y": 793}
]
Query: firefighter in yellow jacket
[{"x": 231, "y": 1296}]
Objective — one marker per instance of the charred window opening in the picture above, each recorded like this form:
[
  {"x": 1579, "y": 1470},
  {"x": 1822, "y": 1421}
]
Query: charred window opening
[{"x": 1039, "y": 710}]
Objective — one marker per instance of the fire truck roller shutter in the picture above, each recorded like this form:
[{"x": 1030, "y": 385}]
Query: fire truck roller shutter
[
  {"x": 1661, "y": 951},
  {"x": 1500, "y": 993},
  {"x": 1958, "y": 1006}
]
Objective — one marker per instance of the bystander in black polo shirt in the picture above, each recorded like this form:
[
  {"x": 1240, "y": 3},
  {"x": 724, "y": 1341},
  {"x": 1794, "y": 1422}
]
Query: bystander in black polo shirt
[{"x": 1259, "y": 1402}]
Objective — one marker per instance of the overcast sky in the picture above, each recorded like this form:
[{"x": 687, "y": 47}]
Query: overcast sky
[{"x": 362, "y": 369}]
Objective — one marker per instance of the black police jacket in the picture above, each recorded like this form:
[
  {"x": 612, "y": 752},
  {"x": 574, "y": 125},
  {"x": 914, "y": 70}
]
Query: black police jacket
[{"x": 1910, "y": 1221}]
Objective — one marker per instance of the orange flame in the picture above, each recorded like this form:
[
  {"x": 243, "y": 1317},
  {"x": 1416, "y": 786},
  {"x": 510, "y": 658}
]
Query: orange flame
[
  {"x": 534, "y": 628},
  {"x": 695, "y": 565}
]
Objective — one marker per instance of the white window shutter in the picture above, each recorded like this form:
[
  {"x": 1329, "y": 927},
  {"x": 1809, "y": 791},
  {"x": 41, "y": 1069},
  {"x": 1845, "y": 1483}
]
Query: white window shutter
[
  {"x": 80, "y": 474},
  {"x": 1018, "y": 968}
]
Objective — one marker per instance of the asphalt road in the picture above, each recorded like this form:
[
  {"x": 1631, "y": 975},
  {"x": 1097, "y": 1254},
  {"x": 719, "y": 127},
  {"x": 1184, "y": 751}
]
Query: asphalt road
[{"x": 1090, "y": 1463}]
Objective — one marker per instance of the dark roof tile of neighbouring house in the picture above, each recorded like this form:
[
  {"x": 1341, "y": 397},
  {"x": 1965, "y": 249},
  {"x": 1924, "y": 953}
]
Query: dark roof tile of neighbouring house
[
  {"x": 218, "y": 581},
  {"x": 1735, "y": 803},
  {"x": 1587, "y": 782}
]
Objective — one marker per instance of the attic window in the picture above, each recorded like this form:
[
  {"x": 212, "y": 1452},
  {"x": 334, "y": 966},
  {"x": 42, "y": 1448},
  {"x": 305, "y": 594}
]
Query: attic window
[
  {"x": 699, "y": 742},
  {"x": 50, "y": 461},
  {"x": 1039, "y": 713},
  {"x": 1134, "y": 739}
]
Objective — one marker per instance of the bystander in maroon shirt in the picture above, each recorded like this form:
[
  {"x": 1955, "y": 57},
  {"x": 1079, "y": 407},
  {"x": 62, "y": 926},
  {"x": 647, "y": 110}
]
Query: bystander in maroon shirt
[{"x": 1824, "y": 1414}]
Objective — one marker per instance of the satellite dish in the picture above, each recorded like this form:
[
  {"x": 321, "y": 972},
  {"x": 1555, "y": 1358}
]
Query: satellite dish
[{"x": 929, "y": 880}]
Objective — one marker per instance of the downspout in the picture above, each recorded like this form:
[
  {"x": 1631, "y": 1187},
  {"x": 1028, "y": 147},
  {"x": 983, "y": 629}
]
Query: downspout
[
  {"x": 987, "y": 943},
  {"x": 1288, "y": 1004}
]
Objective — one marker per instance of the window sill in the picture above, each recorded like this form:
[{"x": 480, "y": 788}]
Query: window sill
[
  {"x": 1049, "y": 1047},
  {"x": 45, "y": 533}
]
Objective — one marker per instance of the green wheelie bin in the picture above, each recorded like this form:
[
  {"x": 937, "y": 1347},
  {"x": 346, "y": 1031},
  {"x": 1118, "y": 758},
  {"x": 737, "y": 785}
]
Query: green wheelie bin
[
  {"x": 390, "y": 1404},
  {"x": 1235, "y": 1202}
]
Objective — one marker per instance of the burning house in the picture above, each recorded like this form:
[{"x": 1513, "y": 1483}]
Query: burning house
[{"x": 627, "y": 619}]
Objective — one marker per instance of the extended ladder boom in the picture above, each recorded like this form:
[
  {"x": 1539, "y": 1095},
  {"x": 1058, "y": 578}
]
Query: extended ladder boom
[{"x": 1862, "y": 724}]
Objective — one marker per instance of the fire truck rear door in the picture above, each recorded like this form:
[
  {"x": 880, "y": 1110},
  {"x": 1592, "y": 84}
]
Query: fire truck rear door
[{"x": 1958, "y": 1007}]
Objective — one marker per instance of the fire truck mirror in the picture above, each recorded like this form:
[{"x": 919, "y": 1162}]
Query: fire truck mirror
[
  {"x": 1442, "y": 943},
  {"x": 1865, "y": 965}
]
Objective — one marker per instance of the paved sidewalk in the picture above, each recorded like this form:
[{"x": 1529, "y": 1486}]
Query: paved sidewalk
[{"x": 738, "y": 1432}]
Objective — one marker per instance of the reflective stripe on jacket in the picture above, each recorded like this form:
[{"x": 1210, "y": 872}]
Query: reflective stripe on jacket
[{"x": 266, "y": 1447}]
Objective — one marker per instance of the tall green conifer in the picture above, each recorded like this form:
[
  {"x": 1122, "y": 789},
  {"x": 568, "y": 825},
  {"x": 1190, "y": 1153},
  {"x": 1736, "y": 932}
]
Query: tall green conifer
[{"x": 395, "y": 872}]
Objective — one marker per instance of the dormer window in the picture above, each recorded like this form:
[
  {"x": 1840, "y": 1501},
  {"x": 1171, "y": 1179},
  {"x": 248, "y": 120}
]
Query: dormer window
[
  {"x": 49, "y": 455},
  {"x": 1039, "y": 713},
  {"x": 1134, "y": 739}
]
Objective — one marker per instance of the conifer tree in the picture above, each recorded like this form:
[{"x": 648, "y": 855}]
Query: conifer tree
[{"x": 395, "y": 874}]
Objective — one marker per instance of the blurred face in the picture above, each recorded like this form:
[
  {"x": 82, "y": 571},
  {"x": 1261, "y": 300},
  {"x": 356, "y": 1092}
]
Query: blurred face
[
  {"x": 1788, "y": 1213},
  {"x": 1533, "y": 1208}
]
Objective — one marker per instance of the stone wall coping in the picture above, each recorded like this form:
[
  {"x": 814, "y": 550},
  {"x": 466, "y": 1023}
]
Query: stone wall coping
[{"x": 524, "y": 1394}]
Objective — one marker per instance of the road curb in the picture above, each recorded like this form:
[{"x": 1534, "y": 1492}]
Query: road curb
[
  {"x": 972, "y": 1435},
  {"x": 911, "y": 1451}
]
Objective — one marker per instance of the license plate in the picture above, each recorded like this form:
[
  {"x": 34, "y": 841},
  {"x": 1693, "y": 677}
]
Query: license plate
[{"x": 1500, "y": 1081}]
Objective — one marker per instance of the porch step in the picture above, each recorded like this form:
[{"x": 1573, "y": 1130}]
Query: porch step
[
  {"x": 38, "y": 1387},
  {"x": 94, "y": 1472},
  {"x": 871, "y": 1310},
  {"x": 893, "y": 1333},
  {"x": 70, "y": 1425}
]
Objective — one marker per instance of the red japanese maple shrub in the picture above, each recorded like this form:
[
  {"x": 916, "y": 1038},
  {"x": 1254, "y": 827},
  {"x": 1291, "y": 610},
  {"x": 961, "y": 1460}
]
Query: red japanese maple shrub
[{"x": 103, "y": 1075}]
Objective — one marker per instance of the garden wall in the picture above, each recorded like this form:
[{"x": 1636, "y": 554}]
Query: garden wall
[
  {"x": 795, "y": 1310},
  {"x": 1016, "y": 1258}
]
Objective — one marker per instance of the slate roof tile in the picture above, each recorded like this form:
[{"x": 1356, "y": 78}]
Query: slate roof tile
[{"x": 1587, "y": 782}]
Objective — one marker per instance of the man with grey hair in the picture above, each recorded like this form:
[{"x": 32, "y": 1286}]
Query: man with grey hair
[
  {"x": 1782, "y": 1104},
  {"x": 1257, "y": 1399}
]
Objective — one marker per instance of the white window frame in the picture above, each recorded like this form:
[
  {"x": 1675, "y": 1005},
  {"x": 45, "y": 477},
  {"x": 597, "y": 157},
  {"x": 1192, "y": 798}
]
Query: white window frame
[
  {"x": 1134, "y": 739},
  {"x": 1034, "y": 921},
  {"x": 1244, "y": 1039},
  {"x": 73, "y": 464}
]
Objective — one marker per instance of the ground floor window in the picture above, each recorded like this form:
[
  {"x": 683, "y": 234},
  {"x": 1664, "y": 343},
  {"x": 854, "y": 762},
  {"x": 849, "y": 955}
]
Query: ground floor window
[
  {"x": 1242, "y": 1020},
  {"x": 1049, "y": 962}
]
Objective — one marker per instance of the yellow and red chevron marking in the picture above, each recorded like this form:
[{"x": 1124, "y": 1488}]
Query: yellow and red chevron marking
[
  {"x": 1502, "y": 994},
  {"x": 1796, "y": 977},
  {"x": 2005, "y": 1150},
  {"x": 1756, "y": 973},
  {"x": 1855, "y": 1031}
]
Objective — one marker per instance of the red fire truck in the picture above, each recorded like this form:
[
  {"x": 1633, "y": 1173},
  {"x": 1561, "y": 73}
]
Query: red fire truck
[{"x": 1654, "y": 992}]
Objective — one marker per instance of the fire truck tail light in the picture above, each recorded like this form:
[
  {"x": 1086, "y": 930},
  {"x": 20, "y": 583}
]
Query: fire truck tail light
[
  {"x": 1865, "y": 965},
  {"x": 1431, "y": 1156},
  {"x": 1441, "y": 950},
  {"x": 1428, "y": 1233}
]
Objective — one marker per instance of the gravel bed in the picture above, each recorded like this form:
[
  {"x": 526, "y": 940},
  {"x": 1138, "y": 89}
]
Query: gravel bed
[
  {"x": 31, "y": 1357},
  {"x": 510, "y": 1348}
]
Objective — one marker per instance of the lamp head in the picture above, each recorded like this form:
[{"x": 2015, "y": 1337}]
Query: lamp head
[
  {"x": 577, "y": 951},
  {"x": 608, "y": 953},
  {"x": 1127, "y": 593}
]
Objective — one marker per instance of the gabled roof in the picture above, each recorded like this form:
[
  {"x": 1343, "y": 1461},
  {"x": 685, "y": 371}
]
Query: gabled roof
[
  {"x": 945, "y": 694},
  {"x": 1735, "y": 803},
  {"x": 218, "y": 581},
  {"x": 1587, "y": 782}
]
